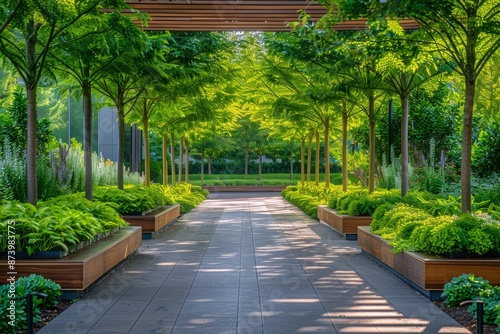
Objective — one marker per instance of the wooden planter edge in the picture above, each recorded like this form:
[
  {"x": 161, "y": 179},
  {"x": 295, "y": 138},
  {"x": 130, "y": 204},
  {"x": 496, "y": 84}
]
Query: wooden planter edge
[
  {"x": 154, "y": 222},
  {"x": 346, "y": 225},
  {"x": 77, "y": 272},
  {"x": 426, "y": 273}
]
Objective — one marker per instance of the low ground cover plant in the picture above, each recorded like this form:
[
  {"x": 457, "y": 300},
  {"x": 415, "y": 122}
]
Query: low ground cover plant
[
  {"x": 359, "y": 202},
  {"x": 186, "y": 195},
  {"x": 308, "y": 197},
  {"x": 468, "y": 287},
  {"x": 32, "y": 284},
  {"x": 414, "y": 229},
  {"x": 56, "y": 225},
  {"x": 132, "y": 199}
]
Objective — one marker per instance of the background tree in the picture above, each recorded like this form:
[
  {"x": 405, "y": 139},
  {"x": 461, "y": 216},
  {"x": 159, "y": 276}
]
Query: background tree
[
  {"x": 466, "y": 34},
  {"x": 99, "y": 40},
  {"x": 28, "y": 34}
]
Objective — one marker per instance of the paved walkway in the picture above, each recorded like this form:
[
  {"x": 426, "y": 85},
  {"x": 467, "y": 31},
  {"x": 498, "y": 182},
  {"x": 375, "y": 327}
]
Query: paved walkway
[{"x": 251, "y": 263}]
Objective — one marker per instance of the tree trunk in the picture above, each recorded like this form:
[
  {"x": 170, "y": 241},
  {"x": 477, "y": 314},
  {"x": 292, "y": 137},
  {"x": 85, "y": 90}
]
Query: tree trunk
[
  {"x": 121, "y": 143},
  {"x": 344, "y": 147},
  {"x": 31, "y": 85},
  {"x": 164, "y": 146},
  {"x": 404, "y": 144},
  {"x": 309, "y": 156},
  {"x": 181, "y": 158},
  {"x": 87, "y": 123},
  {"x": 202, "y": 174},
  {"x": 465, "y": 177},
  {"x": 302, "y": 161},
  {"x": 371, "y": 119},
  {"x": 186, "y": 165},
  {"x": 291, "y": 161},
  {"x": 260, "y": 167},
  {"x": 147, "y": 156},
  {"x": 172, "y": 156},
  {"x": 316, "y": 177},
  {"x": 246, "y": 160},
  {"x": 209, "y": 165},
  {"x": 327, "y": 152}
]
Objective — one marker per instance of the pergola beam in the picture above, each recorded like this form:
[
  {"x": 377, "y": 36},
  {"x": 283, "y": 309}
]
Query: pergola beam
[{"x": 234, "y": 15}]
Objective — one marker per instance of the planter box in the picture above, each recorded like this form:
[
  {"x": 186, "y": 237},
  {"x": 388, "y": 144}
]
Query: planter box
[
  {"x": 344, "y": 224},
  {"x": 154, "y": 222},
  {"x": 79, "y": 270},
  {"x": 426, "y": 273}
]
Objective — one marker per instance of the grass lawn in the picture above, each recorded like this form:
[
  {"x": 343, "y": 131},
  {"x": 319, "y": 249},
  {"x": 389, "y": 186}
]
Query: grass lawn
[{"x": 267, "y": 179}]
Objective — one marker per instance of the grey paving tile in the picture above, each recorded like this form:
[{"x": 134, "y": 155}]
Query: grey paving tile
[
  {"x": 224, "y": 279},
  {"x": 209, "y": 310},
  {"x": 222, "y": 295},
  {"x": 205, "y": 325}
]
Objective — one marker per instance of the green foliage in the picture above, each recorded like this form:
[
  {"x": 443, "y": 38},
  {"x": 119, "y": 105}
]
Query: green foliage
[
  {"x": 462, "y": 288},
  {"x": 67, "y": 166},
  {"x": 24, "y": 286},
  {"x": 486, "y": 151},
  {"x": 14, "y": 126},
  {"x": 12, "y": 175},
  {"x": 489, "y": 191},
  {"x": 415, "y": 229},
  {"x": 56, "y": 225},
  {"x": 109, "y": 219},
  {"x": 132, "y": 199},
  {"x": 358, "y": 165},
  {"x": 417, "y": 199},
  {"x": 392, "y": 221},
  {"x": 438, "y": 205},
  {"x": 306, "y": 203},
  {"x": 308, "y": 197},
  {"x": 491, "y": 308},
  {"x": 186, "y": 195},
  {"x": 362, "y": 203},
  {"x": 390, "y": 176}
]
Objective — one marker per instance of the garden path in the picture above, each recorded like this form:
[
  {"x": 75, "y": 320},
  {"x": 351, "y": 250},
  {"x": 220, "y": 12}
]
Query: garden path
[{"x": 251, "y": 263}]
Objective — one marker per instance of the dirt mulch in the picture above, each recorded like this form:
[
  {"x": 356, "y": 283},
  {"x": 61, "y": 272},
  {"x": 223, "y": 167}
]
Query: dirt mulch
[{"x": 464, "y": 318}]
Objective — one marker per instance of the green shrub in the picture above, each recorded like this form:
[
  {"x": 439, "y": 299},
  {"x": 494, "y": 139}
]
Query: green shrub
[
  {"x": 381, "y": 210},
  {"x": 109, "y": 219},
  {"x": 308, "y": 198},
  {"x": 24, "y": 286},
  {"x": 414, "y": 198},
  {"x": 447, "y": 238},
  {"x": 186, "y": 195},
  {"x": 391, "y": 221},
  {"x": 491, "y": 192},
  {"x": 491, "y": 298},
  {"x": 359, "y": 202},
  {"x": 462, "y": 288},
  {"x": 56, "y": 225},
  {"x": 131, "y": 199},
  {"x": 444, "y": 235}
]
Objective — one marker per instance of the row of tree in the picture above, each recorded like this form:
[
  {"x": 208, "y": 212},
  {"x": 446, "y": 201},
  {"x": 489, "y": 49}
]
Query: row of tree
[
  {"x": 298, "y": 87},
  {"x": 92, "y": 45},
  {"x": 354, "y": 71}
]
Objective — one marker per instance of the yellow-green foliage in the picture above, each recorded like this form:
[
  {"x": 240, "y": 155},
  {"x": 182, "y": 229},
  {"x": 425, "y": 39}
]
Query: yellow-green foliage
[
  {"x": 131, "y": 199},
  {"x": 359, "y": 202},
  {"x": 186, "y": 195},
  {"x": 410, "y": 228},
  {"x": 308, "y": 197}
]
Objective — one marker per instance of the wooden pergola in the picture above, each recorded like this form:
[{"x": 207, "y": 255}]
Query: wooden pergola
[{"x": 234, "y": 15}]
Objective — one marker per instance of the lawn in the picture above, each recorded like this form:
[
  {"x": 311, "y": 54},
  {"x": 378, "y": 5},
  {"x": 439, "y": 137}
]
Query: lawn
[{"x": 252, "y": 179}]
